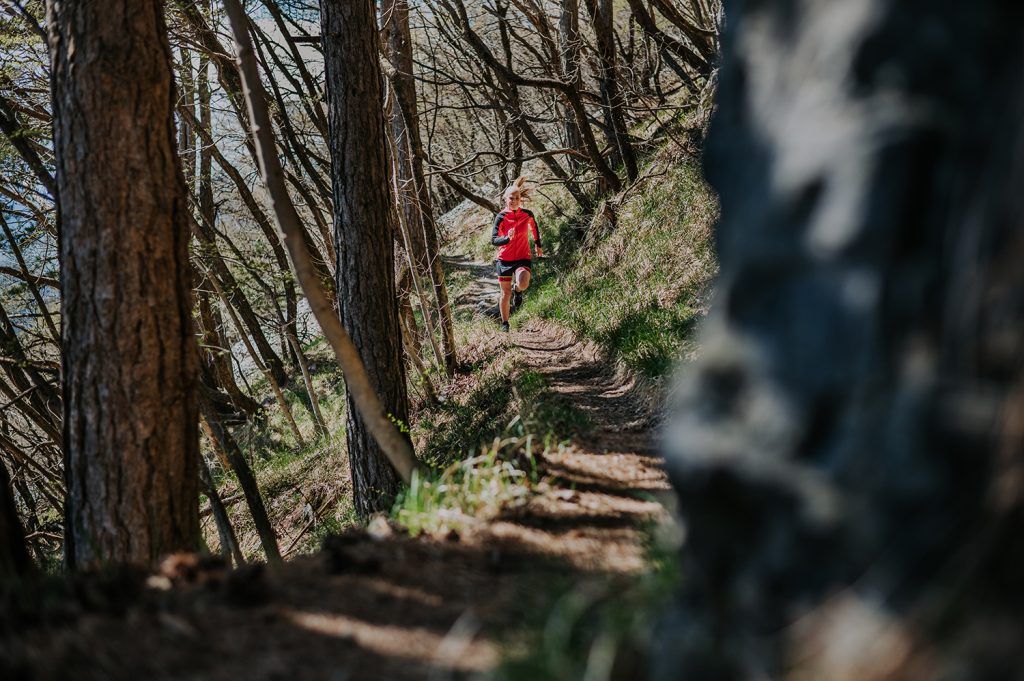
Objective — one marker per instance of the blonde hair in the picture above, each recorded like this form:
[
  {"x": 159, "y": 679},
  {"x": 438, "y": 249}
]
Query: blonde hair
[{"x": 519, "y": 185}]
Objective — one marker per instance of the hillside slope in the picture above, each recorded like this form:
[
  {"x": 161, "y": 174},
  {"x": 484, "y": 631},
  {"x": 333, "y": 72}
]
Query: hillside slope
[
  {"x": 535, "y": 550},
  {"x": 634, "y": 278}
]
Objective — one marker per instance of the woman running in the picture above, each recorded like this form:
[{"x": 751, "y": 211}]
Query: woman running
[{"x": 511, "y": 235}]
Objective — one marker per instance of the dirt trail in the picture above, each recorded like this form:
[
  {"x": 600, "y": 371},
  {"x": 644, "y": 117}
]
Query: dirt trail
[{"x": 393, "y": 607}]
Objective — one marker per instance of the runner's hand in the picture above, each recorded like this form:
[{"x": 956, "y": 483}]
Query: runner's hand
[
  {"x": 540, "y": 252},
  {"x": 511, "y": 233}
]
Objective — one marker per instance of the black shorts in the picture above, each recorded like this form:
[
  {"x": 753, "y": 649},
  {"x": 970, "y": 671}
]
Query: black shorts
[{"x": 507, "y": 268}]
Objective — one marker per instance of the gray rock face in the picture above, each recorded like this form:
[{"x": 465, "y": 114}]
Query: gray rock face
[{"x": 848, "y": 450}]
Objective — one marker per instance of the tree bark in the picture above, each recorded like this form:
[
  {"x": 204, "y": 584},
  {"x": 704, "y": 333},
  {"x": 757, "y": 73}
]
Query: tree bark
[
  {"x": 360, "y": 391},
  {"x": 364, "y": 234},
  {"x": 569, "y": 46},
  {"x": 130, "y": 415},
  {"x": 602, "y": 15},
  {"x": 416, "y": 201},
  {"x": 848, "y": 450}
]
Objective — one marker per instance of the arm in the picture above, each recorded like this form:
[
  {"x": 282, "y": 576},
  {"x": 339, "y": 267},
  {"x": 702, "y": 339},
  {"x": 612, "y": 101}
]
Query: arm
[
  {"x": 536, "y": 235},
  {"x": 495, "y": 239}
]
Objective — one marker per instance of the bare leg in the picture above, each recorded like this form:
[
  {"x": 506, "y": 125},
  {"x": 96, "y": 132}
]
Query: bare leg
[
  {"x": 506, "y": 298},
  {"x": 522, "y": 279}
]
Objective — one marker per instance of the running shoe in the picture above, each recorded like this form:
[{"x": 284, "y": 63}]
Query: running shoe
[
  {"x": 504, "y": 327},
  {"x": 517, "y": 300}
]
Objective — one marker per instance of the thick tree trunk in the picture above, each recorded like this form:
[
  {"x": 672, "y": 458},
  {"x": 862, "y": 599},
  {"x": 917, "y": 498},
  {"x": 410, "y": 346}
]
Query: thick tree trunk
[
  {"x": 848, "y": 451},
  {"x": 364, "y": 233},
  {"x": 358, "y": 383},
  {"x": 130, "y": 415},
  {"x": 416, "y": 200}
]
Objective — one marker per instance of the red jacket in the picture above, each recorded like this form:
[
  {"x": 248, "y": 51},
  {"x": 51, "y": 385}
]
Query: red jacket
[{"x": 518, "y": 247}]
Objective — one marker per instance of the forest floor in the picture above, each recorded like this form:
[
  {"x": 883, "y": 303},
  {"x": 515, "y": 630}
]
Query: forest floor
[{"x": 378, "y": 603}]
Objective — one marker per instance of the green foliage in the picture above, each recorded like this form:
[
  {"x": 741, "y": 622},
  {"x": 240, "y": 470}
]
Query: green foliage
[
  {"x": 343, "y": 517},
  {"x": 515, "y": 411},
  {"x": 636, "y": 288},
  {"x": 458, "y": 427},
  {"x": 542, "y": 413},
  {"x": 467, "y": 491},
  {"x": 507, "y": 402}
]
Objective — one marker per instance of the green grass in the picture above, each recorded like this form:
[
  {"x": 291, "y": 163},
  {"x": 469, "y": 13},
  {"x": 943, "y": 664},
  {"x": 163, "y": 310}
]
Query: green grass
[
  {"x": 635, "y": 289},
  {"x": 483, "y": 454},
  {"x": 507, "y": 402},
  {"x": 293, "y": 481},
  {"x": 467, "y": 491}
]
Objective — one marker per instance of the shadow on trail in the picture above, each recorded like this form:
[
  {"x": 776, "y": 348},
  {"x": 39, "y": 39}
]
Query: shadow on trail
[{"x": 391, "y": 607}]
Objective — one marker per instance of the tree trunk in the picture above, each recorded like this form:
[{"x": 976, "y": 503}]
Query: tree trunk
[
  {"x": 14, "y": 559},
  {"x": 364, "y": 233},
  {"x": 216, "y": 352},
  {"x": 417, "y": 203},
  {"x": 131, "y": 437},
  {"x": 848, "y": 450},
  {"x": 236, "y": 297},
  {"x": 569, "y": 45},
  {"x": 222, "y": 439},
  {"x": 225, "y": 532},
  {"x": 602, "y": 15},
  {"x": 358, "y": 383}
]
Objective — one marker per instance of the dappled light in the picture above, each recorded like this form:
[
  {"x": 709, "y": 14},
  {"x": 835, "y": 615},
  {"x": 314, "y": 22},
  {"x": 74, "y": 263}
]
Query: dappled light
[{"x": 508, "y": 340}]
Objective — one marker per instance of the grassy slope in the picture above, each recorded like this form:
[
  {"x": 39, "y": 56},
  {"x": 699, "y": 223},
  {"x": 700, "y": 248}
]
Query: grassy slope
[
  {"x": 305, "y": 489},
  {"x": 637, "y": 289}
]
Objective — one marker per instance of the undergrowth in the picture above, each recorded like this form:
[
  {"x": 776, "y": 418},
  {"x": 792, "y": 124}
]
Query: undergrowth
[
  {"x": 304, "y": 488},
  {"x": 466, "y": 491},
  {"x": 484, "y": 450},
  {"x": 637, "y": 288}
]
